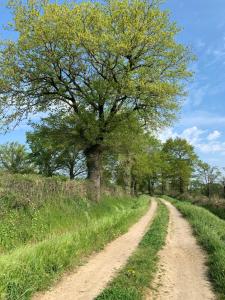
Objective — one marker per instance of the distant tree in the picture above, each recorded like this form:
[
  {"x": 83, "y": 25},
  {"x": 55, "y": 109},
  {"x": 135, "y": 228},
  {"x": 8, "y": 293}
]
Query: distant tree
[
  {"x": 223, "y": 183},
  {"x": 126, "y": 150},
  {"x": 99, "y": 62},
  {"x": 146, "y": 168},
  {"x": 181, "y": 158},
  {"x": 209, "y": 175},
  {"x": 51, "y": 151},
  {"x": 14, "y": 158}
]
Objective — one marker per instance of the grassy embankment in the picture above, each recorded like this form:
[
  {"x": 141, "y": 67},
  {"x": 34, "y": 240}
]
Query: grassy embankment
[
  {"x": 216, "y": 204},
  {"x": 216, "y": 210},
  {"x": 210, "y": 232},
  {"x": 133, "y": 280},
  {"x": 39, "y": 242}
]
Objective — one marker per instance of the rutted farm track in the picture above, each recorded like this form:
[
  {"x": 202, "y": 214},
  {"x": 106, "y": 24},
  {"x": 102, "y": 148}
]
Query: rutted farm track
[
  {"x": 90, "y": 279},
  {"x": 182, "y": 271}
]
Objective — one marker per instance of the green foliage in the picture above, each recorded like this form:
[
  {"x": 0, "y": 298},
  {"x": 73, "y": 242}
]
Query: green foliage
[
  {"x": 207, "y": 175},
  {"x": 139, "y": 68},
  {"x": 209, "y": 230},
  {"x": 148, "y": 166},
  {"x": 52, "y": 150},
  {"x": 91, "y": 66},
  {"x": 108, "y": 62},
  {"x": 14, "y": 158},
  {"x": 180, "y": 158},
  {"x": 60, "y": 235},
  {"x": 135, "y": 277}
]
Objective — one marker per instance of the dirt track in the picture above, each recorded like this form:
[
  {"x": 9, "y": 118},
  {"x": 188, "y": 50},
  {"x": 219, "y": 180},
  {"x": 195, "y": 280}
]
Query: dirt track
[
  {"x": 182, "y": 272},
  {"x": 90, "y": 279}
]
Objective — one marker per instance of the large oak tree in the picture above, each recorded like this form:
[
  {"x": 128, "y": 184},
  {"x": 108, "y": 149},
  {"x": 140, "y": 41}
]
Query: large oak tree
[{"x": 99, "y": 62}]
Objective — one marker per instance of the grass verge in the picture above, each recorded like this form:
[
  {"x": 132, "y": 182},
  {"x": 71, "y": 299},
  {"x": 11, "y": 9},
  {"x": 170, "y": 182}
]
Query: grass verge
[
  {"x": 135, "y": 277},
  {"x": 34, "y": 267},
  {"x": 219, "y": 211},
  {"x": 210, "y": 232}
]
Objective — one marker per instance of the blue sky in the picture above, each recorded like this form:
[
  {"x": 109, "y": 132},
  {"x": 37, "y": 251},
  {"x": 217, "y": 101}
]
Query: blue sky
[{"x": 202, "y": 119}]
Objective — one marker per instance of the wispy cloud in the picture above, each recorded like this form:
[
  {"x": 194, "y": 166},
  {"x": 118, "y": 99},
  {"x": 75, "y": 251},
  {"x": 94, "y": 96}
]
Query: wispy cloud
[
  {"x": 197, "y": 94},
  {"x": 214, "y": 135},
  {"x": 202, "y": 140},
  {"x": 200, "y": 44},
  {"x": 212, "y": 147},
  {"x": 193, "y": 134}
]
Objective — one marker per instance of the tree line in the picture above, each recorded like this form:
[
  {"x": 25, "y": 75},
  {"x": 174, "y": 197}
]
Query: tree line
[{"x": 140, "y": 164}]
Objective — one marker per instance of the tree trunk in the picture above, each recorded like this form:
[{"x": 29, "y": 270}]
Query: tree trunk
[
  {"x": 133, "y": 187},
  {"x": 71, "y": 172},
  {"x": 152, "y": 187},
  {"x": 93, "y": 159},
  {"x": 208, "y": 190},
  {"x": 127, "y": 177},
  {"x": 181, "y": 187},
  {"x": 149, "y": 187},
  {"x": 163, "y": 185}
]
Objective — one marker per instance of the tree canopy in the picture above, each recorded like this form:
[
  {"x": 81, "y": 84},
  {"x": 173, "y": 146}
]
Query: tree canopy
[
  {"x": 53, "y": 151},
  {"x": 99, "y": 62},
  {"x": 180, "y": 157},
  {"x": 14, "y": 158}
]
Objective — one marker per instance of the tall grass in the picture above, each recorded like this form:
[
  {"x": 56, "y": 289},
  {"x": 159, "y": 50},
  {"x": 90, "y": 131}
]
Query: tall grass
[
  {"x": 215, "y": 204},
  {"x": 19, "y": 227},
  {"x": 210, "y": 232},
  {"x": 39, "y": 244},
  {"x": 218, "y": 210},
  {"x": 33, "y": 208},
  {"x": 137, "y": 275},
  {"x": 22, "y": 191}
]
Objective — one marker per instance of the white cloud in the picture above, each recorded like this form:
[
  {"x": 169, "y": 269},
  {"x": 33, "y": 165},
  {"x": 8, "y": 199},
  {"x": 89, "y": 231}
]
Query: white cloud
[
  {"x": 192, "y": 134},
  {"x": 214, "y": 135},
  {"x": 203, "y": 142},
  {"x": 212, "y": 147},
  {"x": 166, "y": 134}
]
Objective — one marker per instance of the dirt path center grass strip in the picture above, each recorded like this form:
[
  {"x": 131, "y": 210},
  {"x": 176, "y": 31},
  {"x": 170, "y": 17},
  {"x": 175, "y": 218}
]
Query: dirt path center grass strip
[{"x": 133, "y": 280}]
